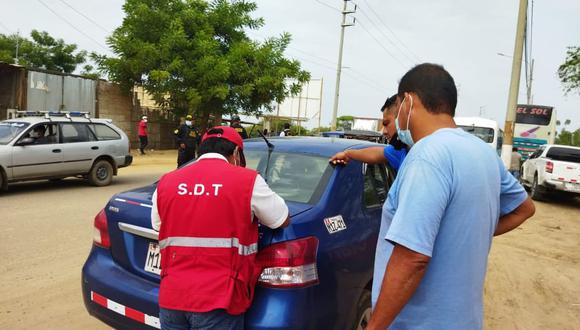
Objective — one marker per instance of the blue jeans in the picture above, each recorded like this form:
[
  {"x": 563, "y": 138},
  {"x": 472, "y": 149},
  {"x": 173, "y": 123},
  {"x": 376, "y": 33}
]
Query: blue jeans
[{"x": 216, "y": 319}]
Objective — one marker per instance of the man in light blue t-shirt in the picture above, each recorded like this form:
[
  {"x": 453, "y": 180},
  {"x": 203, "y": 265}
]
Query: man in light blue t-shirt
[
  {"x": 451, "y": 196},
  {"x": 393, "y": 153}
]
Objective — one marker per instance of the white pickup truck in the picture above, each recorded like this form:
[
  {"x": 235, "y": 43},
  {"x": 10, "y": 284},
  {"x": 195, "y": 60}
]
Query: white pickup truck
[{"x": 552, "y": 168}]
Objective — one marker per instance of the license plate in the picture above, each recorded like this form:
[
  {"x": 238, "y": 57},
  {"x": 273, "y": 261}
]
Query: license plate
[
  {"x": 153, "y": 261},
  {"x": 570, "y": 186}
]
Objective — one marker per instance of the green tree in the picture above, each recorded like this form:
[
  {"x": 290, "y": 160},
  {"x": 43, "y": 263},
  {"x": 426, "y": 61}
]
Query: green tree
[
  {"x": 43, "y": 51},
  {"x": 569, "y": 71},
  {"x": 194, "y": 56}
]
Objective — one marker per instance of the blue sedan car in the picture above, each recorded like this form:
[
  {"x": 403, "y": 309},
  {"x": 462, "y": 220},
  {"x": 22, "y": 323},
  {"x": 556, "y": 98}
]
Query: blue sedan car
[{"x": 317, "y": 273}]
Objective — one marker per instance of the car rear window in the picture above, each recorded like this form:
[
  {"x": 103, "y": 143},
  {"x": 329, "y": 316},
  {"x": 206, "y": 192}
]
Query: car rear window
[
  {"x": 9, "y": 130},
  {"x": 104, "y": 132},
  {"x": 564, "y": 154},
  {"x": 295, "y": 177}
]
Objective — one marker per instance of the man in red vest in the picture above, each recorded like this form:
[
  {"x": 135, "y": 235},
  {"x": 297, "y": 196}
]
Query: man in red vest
[
  {"x": 208, "y": 234},
  {"x": 143, "y": 140}
]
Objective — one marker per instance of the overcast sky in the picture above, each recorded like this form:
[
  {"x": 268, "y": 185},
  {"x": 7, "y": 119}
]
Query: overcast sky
[{"x": 389, "y": 37}]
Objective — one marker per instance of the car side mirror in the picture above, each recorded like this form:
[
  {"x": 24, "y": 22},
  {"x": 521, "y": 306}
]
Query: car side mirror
[{"x": 26, "y": 141}]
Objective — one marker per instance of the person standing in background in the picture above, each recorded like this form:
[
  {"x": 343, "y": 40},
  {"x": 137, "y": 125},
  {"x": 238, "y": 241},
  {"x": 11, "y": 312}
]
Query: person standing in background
[
  {"x": 143, "y": 140},
  {"x": 516, "y": 163}
]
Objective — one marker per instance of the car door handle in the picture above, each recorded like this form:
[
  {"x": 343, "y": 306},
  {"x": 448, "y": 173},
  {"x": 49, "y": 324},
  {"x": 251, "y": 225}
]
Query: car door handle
[
  {"x": 56, "y": 151},
  {"x": 95, "y": 148}
]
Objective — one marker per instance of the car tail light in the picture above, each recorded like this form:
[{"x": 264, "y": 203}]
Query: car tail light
[
  {"x": 290, "y": 264},
  {"x": 101, "y": 231},
  {"x": 549, "y": 167}
]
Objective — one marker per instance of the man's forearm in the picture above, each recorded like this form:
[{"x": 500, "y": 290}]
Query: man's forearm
[
  {"x": 402, "y": 277},
  {"x": 372, "y": 155},
  {"x": 514, "y": 219}
]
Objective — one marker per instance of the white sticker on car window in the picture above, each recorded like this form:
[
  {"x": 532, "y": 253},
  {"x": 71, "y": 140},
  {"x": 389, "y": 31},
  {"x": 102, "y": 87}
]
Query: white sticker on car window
[{"x": 334, "y": 224}]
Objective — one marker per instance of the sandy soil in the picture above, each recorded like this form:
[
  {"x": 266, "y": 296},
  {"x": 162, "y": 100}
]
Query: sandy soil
[{"x": 46, "y": 231}]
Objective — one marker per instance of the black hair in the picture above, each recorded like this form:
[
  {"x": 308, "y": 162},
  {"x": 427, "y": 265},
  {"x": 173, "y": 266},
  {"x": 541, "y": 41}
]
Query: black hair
[
  {"x": 514, "y": 148},
  {"x": 218, "y": 145},
  {"x": 286, "y": 125},
  {"x": 433, "y": 85},
  {"x": 389, "y": 102}
]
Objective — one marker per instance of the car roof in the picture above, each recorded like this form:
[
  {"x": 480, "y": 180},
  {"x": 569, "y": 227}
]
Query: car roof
[
  {"x": 40, "y": 119},
  {"x": 321, "y": 146}
]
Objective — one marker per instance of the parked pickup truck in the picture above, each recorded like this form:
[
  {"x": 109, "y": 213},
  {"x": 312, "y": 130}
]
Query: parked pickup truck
[{"x": 552, "y": 168}]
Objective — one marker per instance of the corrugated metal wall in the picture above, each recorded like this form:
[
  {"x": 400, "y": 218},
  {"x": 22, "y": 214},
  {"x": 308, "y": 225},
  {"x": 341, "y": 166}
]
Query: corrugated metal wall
[{"x": 49, "y": 92}]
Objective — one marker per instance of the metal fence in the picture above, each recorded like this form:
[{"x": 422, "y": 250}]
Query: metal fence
[{"x": 50, "y": 92}]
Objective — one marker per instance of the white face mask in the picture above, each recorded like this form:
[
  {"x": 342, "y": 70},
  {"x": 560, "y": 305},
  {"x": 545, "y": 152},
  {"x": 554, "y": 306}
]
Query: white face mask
[
  {"x": 405, "y": 134},
  {"x": 188, "y": 122}
]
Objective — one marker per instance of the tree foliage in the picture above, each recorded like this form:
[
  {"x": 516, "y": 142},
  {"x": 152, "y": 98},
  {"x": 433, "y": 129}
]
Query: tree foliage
[
  {"x": 194, "y": 56},
  {"x": 569, "y": 71},
  {"x": 43, "y": 51},
  {"x": 569, "y": 138}
]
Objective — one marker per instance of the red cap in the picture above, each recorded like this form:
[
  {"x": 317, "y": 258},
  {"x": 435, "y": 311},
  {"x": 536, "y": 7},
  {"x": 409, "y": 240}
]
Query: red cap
[{"x": 229, "y": 134}]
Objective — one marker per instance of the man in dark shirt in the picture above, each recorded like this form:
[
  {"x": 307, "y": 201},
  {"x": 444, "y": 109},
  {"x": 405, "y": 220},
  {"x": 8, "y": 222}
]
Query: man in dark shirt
[
  {"x": 187, "y": 137},
  {"x": 238, "y": 127}
]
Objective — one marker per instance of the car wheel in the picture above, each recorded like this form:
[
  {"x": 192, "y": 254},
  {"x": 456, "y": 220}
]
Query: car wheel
[
  {"x": 535, "y": 190},
  {"x": 364, "y": 309},
  {"x": 101, "y": 173},
  {"x": 3, "y": 181}
]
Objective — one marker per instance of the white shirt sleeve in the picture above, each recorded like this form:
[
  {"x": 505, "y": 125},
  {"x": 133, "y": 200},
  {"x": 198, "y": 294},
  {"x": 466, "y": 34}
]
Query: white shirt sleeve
[
  {"x": 155, "y": 219},
  {"x": 267, "y": 206},
  {"x": 282, "y": 134}
]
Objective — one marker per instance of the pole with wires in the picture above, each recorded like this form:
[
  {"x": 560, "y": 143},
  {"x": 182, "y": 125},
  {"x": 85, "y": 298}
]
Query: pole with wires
[
  {"x": 506, "y": 151},
  {"x": 343, "y": 25}
]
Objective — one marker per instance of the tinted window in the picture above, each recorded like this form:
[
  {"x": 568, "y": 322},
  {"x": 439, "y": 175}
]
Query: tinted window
[
  {"x": 295, "y": 177},
  {"x": 375, "y": 185},
  {"x": 564, "y": 154},
  {"x": 484, "y": 133},
  {"x": 533, "y": 115},
  {"x": 104, "y": 132},
  {"x": 75, "y": 132},
  {"x": 9, "y": 130}
]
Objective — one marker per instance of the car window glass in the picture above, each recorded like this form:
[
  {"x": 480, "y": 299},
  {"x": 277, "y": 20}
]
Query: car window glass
[
  {"x": 564, "y": 154},
  {"x": 45, "y": 133},
  {"x": 295, "y": 177},
  {"x": 75, "y": 132},
  {"x": 104, "y": 132},
  {"x": 375, "y": 185},
  {"x": 9, "y": 130}
]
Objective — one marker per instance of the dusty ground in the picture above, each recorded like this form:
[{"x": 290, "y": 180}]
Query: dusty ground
[{"x": 46, "y": 231}]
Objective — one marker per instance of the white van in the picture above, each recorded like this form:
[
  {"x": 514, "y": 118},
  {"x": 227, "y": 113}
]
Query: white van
[{"x": 486, "y": 129}]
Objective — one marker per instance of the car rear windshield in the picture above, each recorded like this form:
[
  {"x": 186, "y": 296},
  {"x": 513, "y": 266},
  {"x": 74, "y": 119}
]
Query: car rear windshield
[
  {"x": 295, "y": 177},
  {"x": 9, "y": 130},
  {"x": 564, "y": 154},
  {"x": 484, "y": 133}
]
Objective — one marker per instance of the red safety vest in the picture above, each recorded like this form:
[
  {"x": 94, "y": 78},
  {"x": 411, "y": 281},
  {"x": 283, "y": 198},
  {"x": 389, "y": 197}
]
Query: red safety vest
[{"x": 208, "y": 238}]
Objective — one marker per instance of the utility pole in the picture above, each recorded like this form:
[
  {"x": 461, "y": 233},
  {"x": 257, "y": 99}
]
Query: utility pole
[
  {"x": 506, "y": 150},
  {"x": 17, "y": 45},
  {"x": 339, "y": 66}
]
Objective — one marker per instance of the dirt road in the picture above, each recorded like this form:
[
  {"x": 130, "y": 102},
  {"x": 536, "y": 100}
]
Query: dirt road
[{"x": 46, "y": 234}]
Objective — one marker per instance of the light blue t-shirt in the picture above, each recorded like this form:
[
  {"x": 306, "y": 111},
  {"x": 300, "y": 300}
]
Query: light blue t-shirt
[
  {"x": 395, "y": 157},
  {"x": 445, "y": 203}
]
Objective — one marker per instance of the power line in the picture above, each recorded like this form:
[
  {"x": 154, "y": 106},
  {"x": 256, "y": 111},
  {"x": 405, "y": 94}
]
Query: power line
[
  {"x": 328, "y": 6},
  {"x": 72, "y": 26},
  {"x": 85, "y": 16},
  {"x": 381, "y": 45},
  {"x": 392, "y": 32},
  {"x": 388, "y": 39},
  {"x": 6, "y": 28}
]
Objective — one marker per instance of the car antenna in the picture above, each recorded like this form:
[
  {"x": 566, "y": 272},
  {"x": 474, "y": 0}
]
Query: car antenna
[{"x": 270, "y": 149}]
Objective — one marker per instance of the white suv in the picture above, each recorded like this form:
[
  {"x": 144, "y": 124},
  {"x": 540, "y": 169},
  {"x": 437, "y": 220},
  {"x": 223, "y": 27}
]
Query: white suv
[
  {"x": 552, "y": 168},
  {"x": 55, "y": 147}
]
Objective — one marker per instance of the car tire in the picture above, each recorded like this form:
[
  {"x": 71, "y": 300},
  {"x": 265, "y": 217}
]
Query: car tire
[
  {"x": 101, "y": 173},
  {"x": 536, "y": 190},
  {"x": 363, "y": 311},
  {"x": 3, "y": 181}
]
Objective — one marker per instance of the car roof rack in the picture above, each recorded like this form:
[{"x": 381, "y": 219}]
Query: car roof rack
[{"x": 49, "y": 114}]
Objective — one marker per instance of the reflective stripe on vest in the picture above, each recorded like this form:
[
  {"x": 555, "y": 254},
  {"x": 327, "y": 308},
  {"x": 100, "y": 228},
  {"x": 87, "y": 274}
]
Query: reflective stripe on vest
[{"x": 209, "y": 242}]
